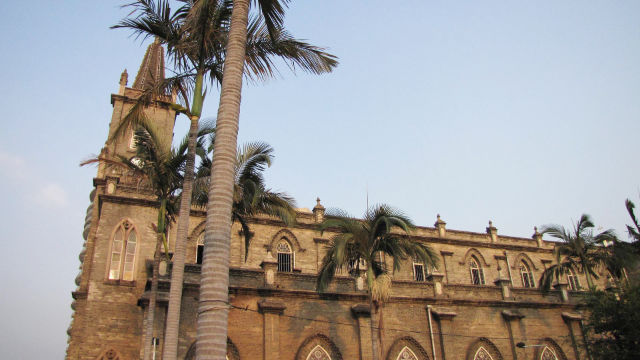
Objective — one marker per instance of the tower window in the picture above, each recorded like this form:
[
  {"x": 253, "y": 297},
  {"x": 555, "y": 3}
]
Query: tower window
[
  {"x": 285, "y": 256},
  {"x": 123, "y": 252}
]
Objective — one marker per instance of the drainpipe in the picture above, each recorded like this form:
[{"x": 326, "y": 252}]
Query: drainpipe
[{"x": 433, "y": 345}]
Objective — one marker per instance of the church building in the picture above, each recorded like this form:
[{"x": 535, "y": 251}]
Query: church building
[{"x": 482, "y": 302}]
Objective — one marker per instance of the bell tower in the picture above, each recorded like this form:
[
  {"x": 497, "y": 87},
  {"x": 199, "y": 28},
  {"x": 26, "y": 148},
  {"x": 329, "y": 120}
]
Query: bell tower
[{"x": 140, "y": 100}]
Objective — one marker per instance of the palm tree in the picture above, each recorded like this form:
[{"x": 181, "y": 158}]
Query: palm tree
[
  {"x": 634, "y": 231},
  {"x": 250, "y": 194},
  {"x": 579, "y": 249},
  {"x": 201, "y": 36},
  {"x": 381, "y": 234},
  {"x": 160, "y": 170}
]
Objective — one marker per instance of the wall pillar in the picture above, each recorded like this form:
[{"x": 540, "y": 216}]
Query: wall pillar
[
  {"x": 564, "y": 293},
  {"x": 444, "y": 263},
  {"x": 504, "y": 286},
  {"x": 270, "y": 266},
  {"x": 509, "y": 318},
  {"x": 445, "y": 320},
  {"x": 362, "y": 313},
  {"x": 271, "y": 310},
  {"x": 574, "y": 322},
  {"x": 438, "y": 288}
]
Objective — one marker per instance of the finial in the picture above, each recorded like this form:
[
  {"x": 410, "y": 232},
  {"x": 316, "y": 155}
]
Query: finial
[
  {"x": 318, "y": 201},
  {"x": 124, "y": 78},
  {"x": 490, "y": 223},
  {"x": 438, "y": 216},
  {"x": 156, "y": 40},
  {"x": 535, "y": 230}
]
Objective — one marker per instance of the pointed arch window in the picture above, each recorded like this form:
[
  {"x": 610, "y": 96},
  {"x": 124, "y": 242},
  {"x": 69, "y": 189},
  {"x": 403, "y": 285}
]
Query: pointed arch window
[
  {"x": 200, "y": 248},
  {"x": 526, "y": 275},
  {"x": 572, "y": 279},
  {"x": 318, "y": 353},
  {"x": 548, "y": 354},
  {"x": 477, "y": 275},
  {"x": 285, "y": 256},
  {"x": 406, "y": 354},
  {"x": 482, "y": 354},
  {"x": 123, "y": 252}
]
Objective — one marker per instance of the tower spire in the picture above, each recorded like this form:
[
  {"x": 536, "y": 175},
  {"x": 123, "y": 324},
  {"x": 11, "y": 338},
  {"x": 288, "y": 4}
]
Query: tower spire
[{"x": 152, "y": 67}]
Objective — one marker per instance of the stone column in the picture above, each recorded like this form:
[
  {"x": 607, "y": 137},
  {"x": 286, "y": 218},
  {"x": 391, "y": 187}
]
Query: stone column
[
  {"x": 444, "y": 264},
  {"x": 445, "y": 319},
  {"x": 362, "y": 313},
  {"x": 271, "y": 310},
  {"x": 270, "y": 266},
  {"x": 573, "y": 322},
  {"x": 564, "y": 293},
  {"x": 509, "y": 317},
  {"x": 504, "y": 286},
  {"x": 436, "y": 278}
]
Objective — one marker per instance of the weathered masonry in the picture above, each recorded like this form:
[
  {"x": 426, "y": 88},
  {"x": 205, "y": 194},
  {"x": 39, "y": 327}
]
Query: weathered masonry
[{"x": 481, "y": 301}]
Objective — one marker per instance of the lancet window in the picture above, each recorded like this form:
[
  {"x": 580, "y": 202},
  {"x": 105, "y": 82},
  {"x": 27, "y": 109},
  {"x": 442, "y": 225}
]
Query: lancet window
[
  {"x": 200, "y": 248},
  {"x": 572, "y": 279},
  {"x": 406, "y": 354},
  {"x": 548, "y": 354},
  {"x": 419, "y": 273},
  {"x": 318, "y": 353},
  {"x": 477, "y": 275},
  {"x": 526, "y": 275},
  {"x": 123, "y": 252},
  {"x": 285, "y": 256},
  {"x": 482, "y": 354}
]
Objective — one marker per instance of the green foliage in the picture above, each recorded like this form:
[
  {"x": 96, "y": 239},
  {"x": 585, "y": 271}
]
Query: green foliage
[
  {"x": 382, "y": 233},
  {"x": 613, "y": 325},
  {"x": 580, "y": 250}
]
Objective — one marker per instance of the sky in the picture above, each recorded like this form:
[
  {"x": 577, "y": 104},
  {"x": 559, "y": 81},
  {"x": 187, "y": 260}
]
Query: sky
[{"x": 523, "y": 113}]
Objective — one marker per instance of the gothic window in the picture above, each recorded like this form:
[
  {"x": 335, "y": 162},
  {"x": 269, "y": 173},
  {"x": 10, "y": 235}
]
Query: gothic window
[
  {"x": 200, "y": 248},
  {"x": 123, "y": 252},
  {"x": 572, "y": 279},
  {"x": 318, "y": 353},
  {"x": 548, "y": 354},
  {"x": 477, "y": 275},
  {"x": 482, "y": 354},
  {"x": 526, "y": 275},
  {"x": 406, "y": 354},
  {"x": 285, "y": 256},
  {"x": 418, "y": 271}
]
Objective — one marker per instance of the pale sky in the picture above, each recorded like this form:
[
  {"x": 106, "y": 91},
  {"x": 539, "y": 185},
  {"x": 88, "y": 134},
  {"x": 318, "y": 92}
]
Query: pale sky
[{"x": 524, "y": 113}]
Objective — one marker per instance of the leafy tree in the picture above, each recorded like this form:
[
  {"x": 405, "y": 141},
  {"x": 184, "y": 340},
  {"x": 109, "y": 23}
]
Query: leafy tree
[
  {"x": 201, "y": 36},
  {"x": 250, "y": 194},
  {"x": 381, "y": 234},
  {"x": 579, "y": 249},
  {"x": 612, "y": 324}
]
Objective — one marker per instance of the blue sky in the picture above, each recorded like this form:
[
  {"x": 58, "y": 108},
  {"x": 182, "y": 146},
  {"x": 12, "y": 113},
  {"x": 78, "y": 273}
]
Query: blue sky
[{"x": 525, "y": 113}]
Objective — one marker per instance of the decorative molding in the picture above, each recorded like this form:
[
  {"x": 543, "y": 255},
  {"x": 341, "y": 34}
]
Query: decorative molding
[
  {"x": 284, "y": 233},
  {"x": 487, "y": 345},
  {"x": 318, "y": 339},
  {"x": 523, "y": 256},
  {"x": 478, "y": 255},
  {"x": 409, "y": 342}
]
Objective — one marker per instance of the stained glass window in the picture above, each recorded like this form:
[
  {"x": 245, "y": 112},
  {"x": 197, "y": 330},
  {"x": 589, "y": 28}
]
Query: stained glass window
[
  {"x": 318, "y": 353},
  {"x": 482, "y": 354},
  {"x": 123, "y": 253},
  {"x": 406, "y": 354}
]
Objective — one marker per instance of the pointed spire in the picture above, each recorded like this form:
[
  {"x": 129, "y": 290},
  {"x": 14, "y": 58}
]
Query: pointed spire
[{"x": 152, "y": 67}]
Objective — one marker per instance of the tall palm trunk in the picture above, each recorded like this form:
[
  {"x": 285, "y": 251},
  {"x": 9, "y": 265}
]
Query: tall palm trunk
[
  {"x": 213, "y": 310},
  {"x": 170, "y": 351},
  {"x": 375, "y": 335},
  {"x": 153, "y": 295}
]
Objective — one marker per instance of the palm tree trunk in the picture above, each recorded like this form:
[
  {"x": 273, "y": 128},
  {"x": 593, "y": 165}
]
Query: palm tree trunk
[
  {"x": 171, "y": 336},
  {"x": 375, "y": 335},
  {"x": 148, "y": 336},
  {"x": 213, "y": 310}
]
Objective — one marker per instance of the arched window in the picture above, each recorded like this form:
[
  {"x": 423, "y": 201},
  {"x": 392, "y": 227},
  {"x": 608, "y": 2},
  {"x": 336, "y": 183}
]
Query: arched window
[
  {"x": 482, "y": 354},
  {"x": 548, "y": 354},
  {"x": 285, "y": 256},
  {"x": 123, "y": 252},
  {"x": 526, "y": 275},
  {"x": 406, "y": 354},
  {"x": 477, "y": 275},
  {"x": 200, "y": 248},
  {"x": 318, "y": 353},
  {"x": 572, "y": 279}
]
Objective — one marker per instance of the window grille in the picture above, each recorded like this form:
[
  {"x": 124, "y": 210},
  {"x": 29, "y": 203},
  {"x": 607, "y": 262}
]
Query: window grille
[
  {"x": 548, "y": 354},
  {"x": 572, "y": 279},
  {"x": 418, "y": 272},
  {"x": 482, "y": 354},
  {"x": 318, "y": 353},
  {"x": 406, "y": 354},
  {"x": 285, "y": 257}
]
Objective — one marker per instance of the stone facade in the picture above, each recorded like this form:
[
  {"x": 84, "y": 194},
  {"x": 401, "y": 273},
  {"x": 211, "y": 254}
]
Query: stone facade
[{"x": 478, "y": 304}]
